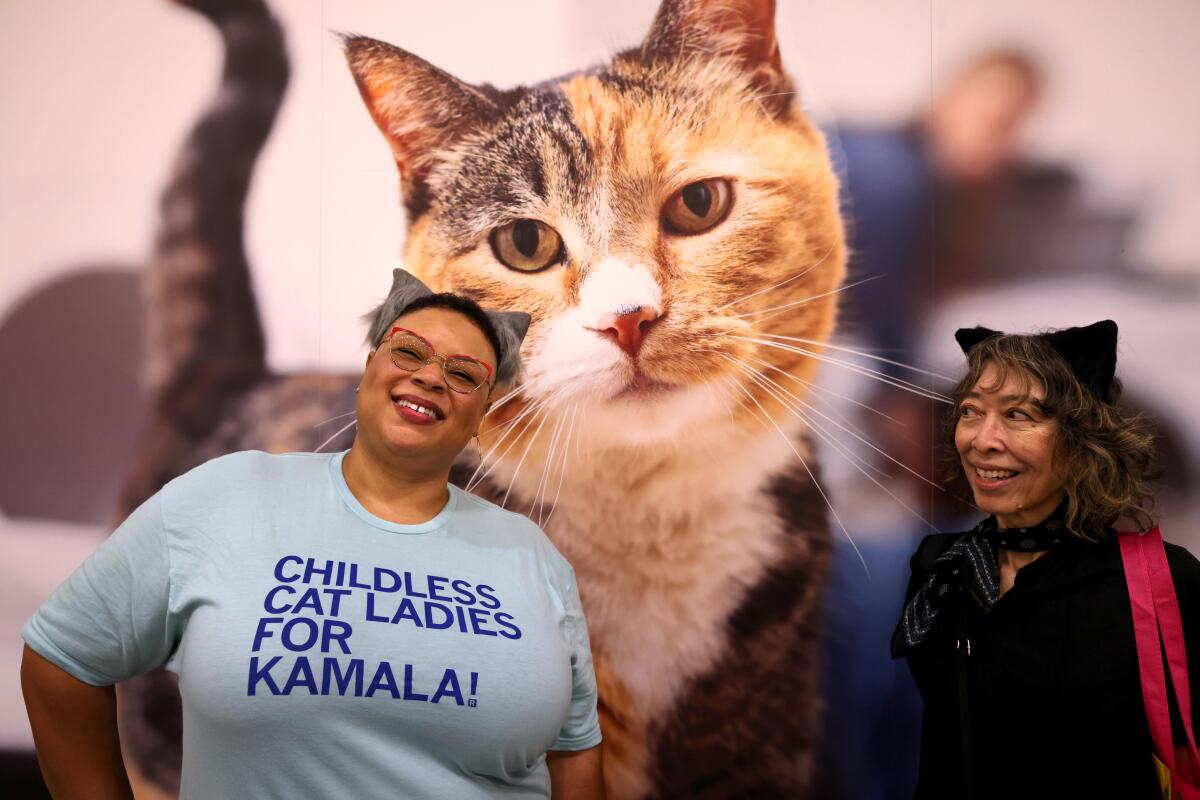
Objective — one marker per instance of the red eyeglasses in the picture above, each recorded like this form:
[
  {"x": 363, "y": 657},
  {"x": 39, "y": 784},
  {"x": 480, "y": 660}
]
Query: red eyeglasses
[{"x": 410, "y": 351}]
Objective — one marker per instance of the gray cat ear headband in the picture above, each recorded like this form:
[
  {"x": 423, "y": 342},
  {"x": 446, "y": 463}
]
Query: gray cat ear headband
[{"x": 510, "y": 326}]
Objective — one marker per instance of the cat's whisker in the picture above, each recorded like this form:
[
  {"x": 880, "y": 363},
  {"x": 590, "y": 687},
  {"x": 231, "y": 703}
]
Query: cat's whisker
[
  {"x": 826, "y": 437},
  {"x": 788, "y": 441},
  {"x": 524, "y": 455},
  {"x": 496, "y": 405},
  {"x": 511, "y": 425},
  {"x": 562, "y": 473},
  {"x": 340, "y": 431},
  {"x": 852, "y": 433},
  {"x": 496, "y": 454},
  {"x": 841, "y": 427},
  {"x": 809, "y": 387},
  {"x": 539, "y": 403},
  {"x": 331, "y": 419},
  {"x": 852, "y": 351},
  {"x": 819, "y": 390},
  {"x": 852, "y": 367},
  {"x": 723, "y": 396},
  {"x": 802, "y": 301},
  {"x": 727, "y": 380},
  {"x": 539, "y": 496},
  {"x": 763, "y": 380},
  {"x": 785, "y": 282},
  {"x": 506, "y": 426}
]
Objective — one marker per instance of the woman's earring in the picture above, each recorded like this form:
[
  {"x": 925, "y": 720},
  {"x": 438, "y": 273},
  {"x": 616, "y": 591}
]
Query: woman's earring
[{"x": 356, "y": 388}]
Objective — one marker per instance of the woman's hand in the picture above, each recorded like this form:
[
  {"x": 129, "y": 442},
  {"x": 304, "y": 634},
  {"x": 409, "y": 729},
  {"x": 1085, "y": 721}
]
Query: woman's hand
[
  {"x": 576, "y": 774},
  {"x": 75, "y": 732}
]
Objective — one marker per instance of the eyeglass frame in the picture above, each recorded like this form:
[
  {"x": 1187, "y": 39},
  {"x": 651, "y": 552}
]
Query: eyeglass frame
[{"x": 434, "y": 354}]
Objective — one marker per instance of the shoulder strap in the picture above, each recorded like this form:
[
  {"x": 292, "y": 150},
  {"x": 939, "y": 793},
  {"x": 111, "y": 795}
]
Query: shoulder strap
[{"x": 1157, "y": 631}]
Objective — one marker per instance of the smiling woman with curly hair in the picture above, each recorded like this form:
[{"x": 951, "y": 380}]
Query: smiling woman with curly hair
[
  {"x": 1019, "y": 632},
  {"x": 1101, "y": 454}
]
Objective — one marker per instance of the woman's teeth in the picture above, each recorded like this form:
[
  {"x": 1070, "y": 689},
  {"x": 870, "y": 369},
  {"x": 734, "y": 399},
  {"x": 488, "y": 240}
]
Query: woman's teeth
[
  {"x": 994, "y": 474},
  {"x": 429, "y": 412}
]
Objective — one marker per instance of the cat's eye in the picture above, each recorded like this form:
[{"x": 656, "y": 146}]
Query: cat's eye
[
  {"x": 527, "y": 245},
  {"x": 698, "y": 206}
]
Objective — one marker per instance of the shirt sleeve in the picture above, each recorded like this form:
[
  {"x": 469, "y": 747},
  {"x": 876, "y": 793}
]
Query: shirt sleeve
[
  {"x": 110, "y": 620},
  {"x": 582, "y": 728}
]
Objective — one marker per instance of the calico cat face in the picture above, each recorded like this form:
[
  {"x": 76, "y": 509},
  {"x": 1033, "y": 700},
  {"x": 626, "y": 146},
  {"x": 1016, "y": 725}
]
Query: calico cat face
[{"x": 665, "y": 219}]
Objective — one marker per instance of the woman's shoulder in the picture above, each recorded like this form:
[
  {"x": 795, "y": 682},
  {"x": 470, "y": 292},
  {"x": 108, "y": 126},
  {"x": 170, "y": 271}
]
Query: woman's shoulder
[
  {"x": 244, "y": 477},
  {"x": 932, "y": 547},
  {"x": 1184, "y": 566},
  {"x": 510, "y": 521},
  {"x": 249, "y": 464},
  {"x": 516, "y": 529}
]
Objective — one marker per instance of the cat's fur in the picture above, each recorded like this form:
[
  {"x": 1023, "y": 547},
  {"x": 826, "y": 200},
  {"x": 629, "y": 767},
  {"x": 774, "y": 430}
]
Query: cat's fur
[{"x": 696, "y": 532}]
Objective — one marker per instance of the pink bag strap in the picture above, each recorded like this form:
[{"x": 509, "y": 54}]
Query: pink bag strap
[
  {"x": 1166, "y": 606},
  {"x": 1157, "y": 629}
]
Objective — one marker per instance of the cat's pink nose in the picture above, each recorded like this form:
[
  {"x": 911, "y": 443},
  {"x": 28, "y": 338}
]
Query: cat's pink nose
[{"x": 629, "y": 328}]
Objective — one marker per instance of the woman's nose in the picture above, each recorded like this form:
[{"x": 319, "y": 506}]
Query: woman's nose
[
  {"x": 430, "y": 376},
  {"x": 990, "y": 435}
]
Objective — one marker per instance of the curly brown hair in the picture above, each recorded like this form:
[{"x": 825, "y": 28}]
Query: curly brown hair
[{"x": 1103, "y": 455}]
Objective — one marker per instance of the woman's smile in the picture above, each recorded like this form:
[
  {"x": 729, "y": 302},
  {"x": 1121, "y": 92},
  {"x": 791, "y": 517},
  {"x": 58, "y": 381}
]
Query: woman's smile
[
  {"x": 417, "y": 410},
  {"x": 991, "y": 478}
]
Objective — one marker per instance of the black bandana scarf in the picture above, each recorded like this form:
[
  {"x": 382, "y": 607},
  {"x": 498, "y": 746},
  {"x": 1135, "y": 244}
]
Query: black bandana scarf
[
  {"x": 1043, "y": 536},
  {"x": 970, "y": 565}
]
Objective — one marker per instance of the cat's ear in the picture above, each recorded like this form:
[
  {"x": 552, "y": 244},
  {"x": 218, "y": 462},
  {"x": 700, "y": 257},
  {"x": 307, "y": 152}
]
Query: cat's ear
[
  {"x": 744, "y": 29},
  {"x": 419, "y": 108},
  {"x": 511, "y": 327},
  {"x": 406, "y": 288},
  {"x": 967, "y": 338},
  {"x": 1091, "y": 353}
]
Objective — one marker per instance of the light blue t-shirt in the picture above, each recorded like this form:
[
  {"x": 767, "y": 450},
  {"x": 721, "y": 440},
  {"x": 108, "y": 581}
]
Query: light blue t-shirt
[{"x": 325, "y": 652}]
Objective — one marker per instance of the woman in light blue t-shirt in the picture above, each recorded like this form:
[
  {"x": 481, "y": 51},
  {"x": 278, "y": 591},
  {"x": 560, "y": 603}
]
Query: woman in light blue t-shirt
[{"x": 342, "y": 625}]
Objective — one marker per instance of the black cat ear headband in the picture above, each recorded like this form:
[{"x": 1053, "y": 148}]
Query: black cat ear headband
[
  {"x": 1090, "y": 351},
  {"x": 511, "y": 326}
]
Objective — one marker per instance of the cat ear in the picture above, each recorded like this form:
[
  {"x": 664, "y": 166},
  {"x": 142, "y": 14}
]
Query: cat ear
[
  {"x": 511, "y": 326},
  {"x": 1091, "y": 353},
  {"x": 967, "y": 338},
  {"x": 419, "y": 108},
  {"x": 742, "y": 28},
  {"x": 406, "y": 288}
]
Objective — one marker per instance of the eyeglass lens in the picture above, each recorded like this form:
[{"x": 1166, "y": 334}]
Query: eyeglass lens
[{"x": 462, "y": 374}]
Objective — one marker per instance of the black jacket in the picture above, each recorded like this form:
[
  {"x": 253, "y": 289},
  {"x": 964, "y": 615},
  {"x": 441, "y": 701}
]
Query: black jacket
[{"x": 1054, "y": 697}]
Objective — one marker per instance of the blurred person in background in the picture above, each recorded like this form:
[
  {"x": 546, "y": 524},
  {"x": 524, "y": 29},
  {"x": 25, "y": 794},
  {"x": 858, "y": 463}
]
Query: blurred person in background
[{"x": 918, "y": 198}]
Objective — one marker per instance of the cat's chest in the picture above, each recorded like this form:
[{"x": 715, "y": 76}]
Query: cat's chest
[{"x": 665, "y": 559}]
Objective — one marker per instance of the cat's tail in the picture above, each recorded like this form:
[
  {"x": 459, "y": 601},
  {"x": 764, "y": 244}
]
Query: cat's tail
[
  {"x": 206, "y": 339},
  {"x": 205, "y": 344}
]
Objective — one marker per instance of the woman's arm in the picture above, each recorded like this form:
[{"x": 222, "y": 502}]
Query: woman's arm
[
  {"x": 576, "y": 774},
  {"x": 75, "y": 732}
]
